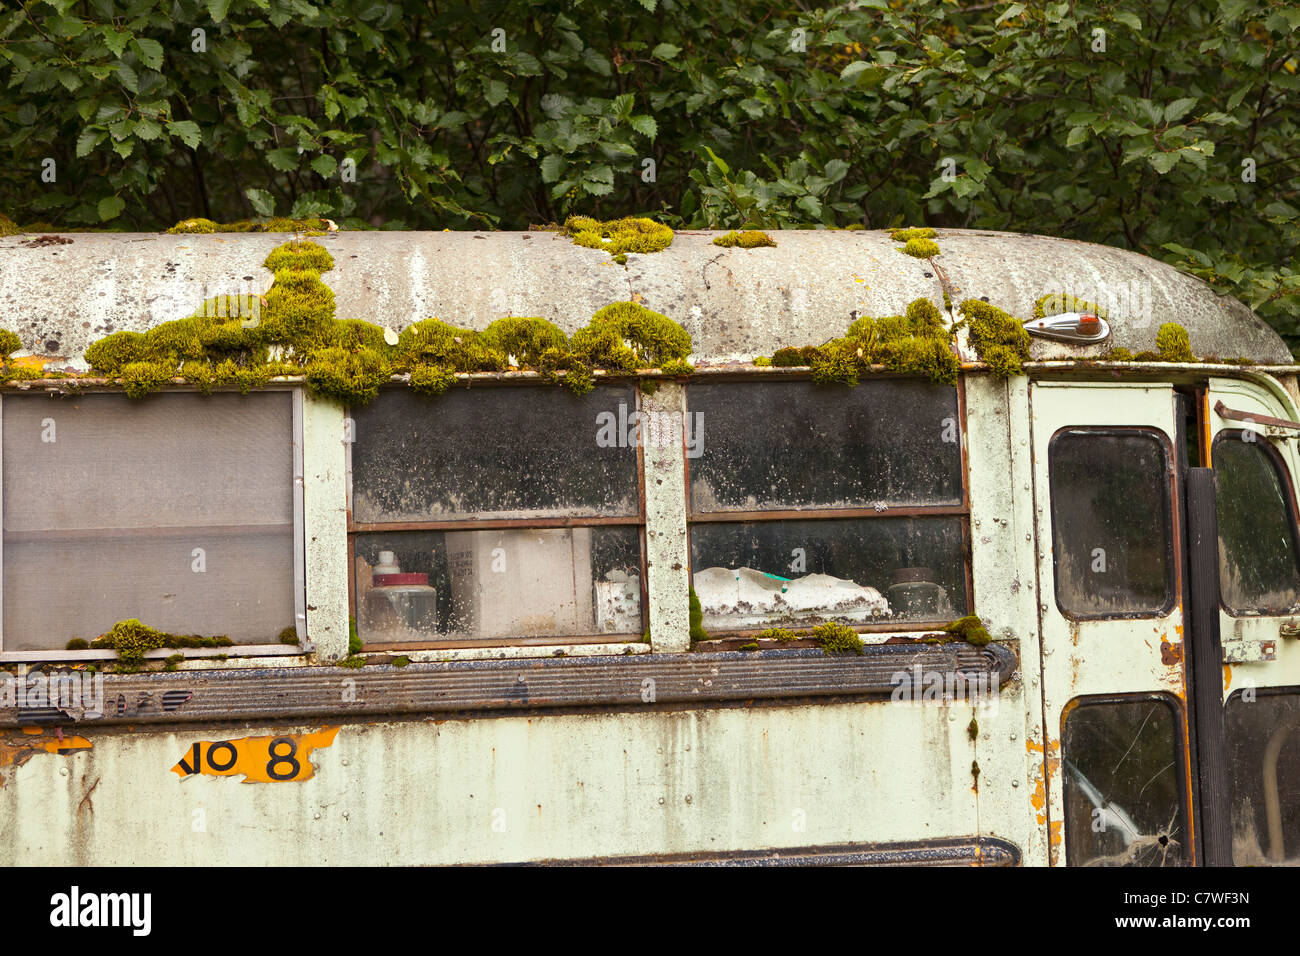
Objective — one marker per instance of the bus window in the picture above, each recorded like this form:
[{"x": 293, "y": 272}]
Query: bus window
[
  {"x": 1110, "y": 523},
  {"x": 507, "y": 513},
  {"x": 1123, "y": 784},
  {"x": 811, "y": 504},
  {"x": 176, "y": 510},
  {"x": 1263, "y": 734},
  {"x": 1258, "y": 569}
]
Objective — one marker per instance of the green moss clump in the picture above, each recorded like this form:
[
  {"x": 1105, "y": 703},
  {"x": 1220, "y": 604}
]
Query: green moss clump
[
  {"x": 525, "y": 339},
  {"x": 141, "y": 378},
  {"x": 619, "y": 236},
  {"x": 1118, "y": 355},
  {"x": 970, "y": 629},
  {"x": 400, "y": 661},
  {"x": 8, "y": 227},
  {"x": 354, "y": 640},
  {"x": 77, "y": 644},
  {"x": 698, "y": 633},
  {"x": 999, "y": 339},
  {"x": 289, "y": 636},
  {"x": 837, "y": 638},
  {"x": 839, "y": 362},
  {"x": 131, "y": 640},
  {"x": 434, "y": 342},
  {"x": 627, "y": 336},
  {"x": 432, "y": 379},
  {"x": 916, "y": 343},
  {"x": 1173, "y": 343},
  {"x": 352, "y": 378},
  {"x": 1058, "y": 303},
  {"x": 762, "y": 361},
  {"x": 194, "y": 225},
  {"x": 795, "y": 358},
  {"x": 921, "y": 248},
  {"x": 747, "y": 239},
  {"x": 776, "y": 634},
  {"x": 677, "y": 367},
  {"x": 352, "y": 662},
  {"x": 298, "y": 255},
  {"x": 577, "y": 375},
  {"x": 172, "y": 661},
  {"x": 299, "y": 310},
  {"x": 751, "y": 646},
  {"x": 9, "y": 344},
  {"x": 906, "y": 235}
]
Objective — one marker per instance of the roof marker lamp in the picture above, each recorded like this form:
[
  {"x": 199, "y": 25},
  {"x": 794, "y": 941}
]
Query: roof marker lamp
[{"x": 1082, "y": 328}]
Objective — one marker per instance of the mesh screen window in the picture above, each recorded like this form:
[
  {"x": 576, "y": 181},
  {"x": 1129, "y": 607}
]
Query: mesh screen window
[{"x": 177, "y": 510}]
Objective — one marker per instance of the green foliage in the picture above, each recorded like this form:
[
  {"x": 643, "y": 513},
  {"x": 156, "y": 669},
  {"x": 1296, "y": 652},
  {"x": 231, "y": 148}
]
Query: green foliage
[
  {"x": 748, "y": 239},
  {"x": 298, "y": 255},
  {"x": 400, "y": 661},
  {"x": 998, "y": 337},
  {"x": 696, "y": 611},
  {"x": 432, "y": 379},
  {"x": 9, "y": 344},
  {"x": 289, "y": 635},
  {"x": 837, "y": 638},
  {"x": 354, "y": 639},
  {"x": 777, "y": 634},
  {"x": 1173, "y": 343},
  {"x": 434, "y": 342},
  {"x": 77, "y": 644},
  {"x": 970, "y": 629},
  {"x": 1139, "y": 145},
  {"x": 8, "y": 227}
]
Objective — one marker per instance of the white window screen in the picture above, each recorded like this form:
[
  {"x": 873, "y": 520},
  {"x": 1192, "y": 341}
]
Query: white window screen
[{"x": 176, "y": 509}]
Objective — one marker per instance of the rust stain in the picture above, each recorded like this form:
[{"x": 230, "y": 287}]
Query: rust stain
[
  {"x": 1171, "y": 654},
  {"x": 17, "y": 749},
  {"x": 276, "y": 759},
  {"x": 1227, "y": 676}
]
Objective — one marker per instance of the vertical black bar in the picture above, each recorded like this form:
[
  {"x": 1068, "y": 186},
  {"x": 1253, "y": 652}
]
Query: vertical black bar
[
  {"x": 1184, "y": 413},
  {"x": 1206, "y": 662}
]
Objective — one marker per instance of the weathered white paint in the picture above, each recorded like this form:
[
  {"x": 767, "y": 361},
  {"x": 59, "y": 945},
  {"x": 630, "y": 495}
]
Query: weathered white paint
[
  {"x": 667, "y": 546},
  {"x": 325, "y": 526}
]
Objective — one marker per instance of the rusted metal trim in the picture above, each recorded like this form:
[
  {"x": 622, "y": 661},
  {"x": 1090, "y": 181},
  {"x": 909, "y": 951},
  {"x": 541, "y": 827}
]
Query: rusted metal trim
[
  {"x": 798, "y": 514},
  {"x": 491, "y": 524},
  {"x": 972, "y": 851},
  {"x": 476, "y": 688},
  {"x": 1237, "y": 415}
]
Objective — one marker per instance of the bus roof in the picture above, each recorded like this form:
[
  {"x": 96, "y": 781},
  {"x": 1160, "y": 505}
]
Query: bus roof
[{"x": 736, "y": 303}]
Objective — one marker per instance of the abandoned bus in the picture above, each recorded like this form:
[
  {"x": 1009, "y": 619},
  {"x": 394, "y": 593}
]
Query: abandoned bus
[{"x": 830, "y": 546}]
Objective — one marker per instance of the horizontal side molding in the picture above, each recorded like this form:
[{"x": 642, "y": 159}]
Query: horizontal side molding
[
  {"x": 971, "y": 851},
  {"x": 465, "y": 687}
]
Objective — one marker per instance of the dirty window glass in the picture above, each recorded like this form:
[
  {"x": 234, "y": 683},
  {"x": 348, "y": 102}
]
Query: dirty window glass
[
  {"x": 761, "y": 574},
  {"x": 1258, "y": 570},
  {"x": 176, "y": 509},
  {"x": 431, "y": 586},
  {"x": 1123, "y": 790},
  {"x": 495, "y": 453},
  {"x": 782, "y": 445},
  {"x": 1110, "y": 523},
  {"x": 1263, "y": 734}
]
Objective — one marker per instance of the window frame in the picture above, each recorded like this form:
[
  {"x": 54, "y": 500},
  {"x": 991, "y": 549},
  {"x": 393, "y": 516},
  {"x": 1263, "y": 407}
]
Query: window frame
[
  {"x": 1289, "y": 499},
  {"x": 960, "y": 510},
  {"x": 299, "y": 554},
  {"x": 1178, "y": 712},
  {"x": 472, "y": 523},
  {"x": 1171, "y": 571}
]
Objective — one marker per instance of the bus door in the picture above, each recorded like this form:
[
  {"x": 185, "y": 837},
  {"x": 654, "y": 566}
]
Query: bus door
[
  {"x": 1117, "y": 768},
  {"x": 1250, "y": 437}
]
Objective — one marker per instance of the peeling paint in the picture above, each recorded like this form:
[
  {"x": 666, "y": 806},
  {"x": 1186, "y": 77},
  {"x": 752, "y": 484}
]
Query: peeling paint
[{"x": 17, "y": 749}]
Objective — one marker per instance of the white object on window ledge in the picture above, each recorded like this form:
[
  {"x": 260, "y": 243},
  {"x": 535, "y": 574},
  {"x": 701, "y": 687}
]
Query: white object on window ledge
[{"x": 744, "y": 598}]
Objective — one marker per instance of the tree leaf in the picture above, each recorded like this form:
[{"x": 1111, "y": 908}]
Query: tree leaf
[
  {"x": 110, "y": 207},
  {"x": 150, "y": 52},
  {"x": 263, "y": 202},
  {"x": 645, "y": 125}
]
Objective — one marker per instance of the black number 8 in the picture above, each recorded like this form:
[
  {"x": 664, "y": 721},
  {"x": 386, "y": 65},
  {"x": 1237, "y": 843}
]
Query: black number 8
[{"x": 288, "y": 758}]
